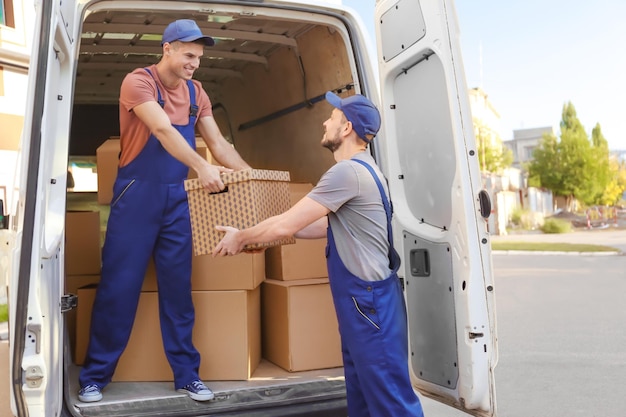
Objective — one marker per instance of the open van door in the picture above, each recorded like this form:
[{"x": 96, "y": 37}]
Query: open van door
[
  {"x": 428, "y": 152},
  {"x": 36, "y": 285}
]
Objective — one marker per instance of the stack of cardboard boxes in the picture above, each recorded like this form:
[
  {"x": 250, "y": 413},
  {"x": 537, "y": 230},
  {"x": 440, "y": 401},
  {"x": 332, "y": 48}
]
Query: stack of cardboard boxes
[
  {"x": 237, "y": 309},
  {"x": 300, "y": 330}
]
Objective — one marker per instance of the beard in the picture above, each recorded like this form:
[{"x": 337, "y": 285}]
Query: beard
[{"x": 332, "y": 143}]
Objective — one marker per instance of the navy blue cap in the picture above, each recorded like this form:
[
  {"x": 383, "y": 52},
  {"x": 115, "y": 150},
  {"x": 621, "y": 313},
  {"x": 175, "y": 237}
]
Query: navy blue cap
[
  {"x": 185, "y": 30},
  {"x": 360, "y": 111}
]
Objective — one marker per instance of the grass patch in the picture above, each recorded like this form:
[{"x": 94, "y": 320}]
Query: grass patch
[
  {"x": 4, "y": 313},
  {"x": 551, "y": 247}
]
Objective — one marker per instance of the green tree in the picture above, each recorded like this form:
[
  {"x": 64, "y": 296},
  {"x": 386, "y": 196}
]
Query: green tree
[
  {"x": 617, "y": 184},
  {"x": 573, "y": 167},
  {"x": 601, "y": 160},
  {"x": 492, "y": 156}
]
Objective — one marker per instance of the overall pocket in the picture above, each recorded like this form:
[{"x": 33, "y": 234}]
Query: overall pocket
[
  {"x": 363, "y": 311},
  {"x": 124, "y": 188}
]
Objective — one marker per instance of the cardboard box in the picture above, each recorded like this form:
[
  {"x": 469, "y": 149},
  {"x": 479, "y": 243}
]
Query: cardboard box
[
  {"x": 298, "y": 190},
  {"x": 250, "y": 196},
  {"x": 204, "y": 152},
  {"x": 72, "y": 284},
  {"x": 227, "y": 334},
  {"x": 299, "y": 325},
  {"x": 108, "y": 157},
  {"x": 82, "y": 243},
  {"x": 11, "y": 131},
  {"x": 245, "y": 271},
  {"x": 5, "y": 378},
  {"x": 304, "y": 260}
]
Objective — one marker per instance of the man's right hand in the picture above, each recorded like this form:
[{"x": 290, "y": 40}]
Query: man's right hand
[{"x": 210, "y": 177}]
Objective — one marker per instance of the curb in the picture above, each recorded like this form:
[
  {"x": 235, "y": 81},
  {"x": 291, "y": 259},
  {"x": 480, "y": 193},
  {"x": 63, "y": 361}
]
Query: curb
[{"x": 530, "y": 252}]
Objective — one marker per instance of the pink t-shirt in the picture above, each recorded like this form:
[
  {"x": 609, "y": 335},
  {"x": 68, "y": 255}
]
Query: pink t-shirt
[{"x": 139, "y": 87}]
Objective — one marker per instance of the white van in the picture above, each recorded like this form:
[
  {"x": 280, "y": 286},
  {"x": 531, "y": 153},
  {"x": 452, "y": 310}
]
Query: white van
[{"x": 267, "y": 75}]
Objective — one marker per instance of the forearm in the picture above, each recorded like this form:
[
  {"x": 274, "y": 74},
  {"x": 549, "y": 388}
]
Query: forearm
[
  {"x": 269, "y": 230},
  {"x": 176, "y": 145},
  {"x": 228, "y": 156},
  {"x": 300, "y": 216},
  {"x": 315, "y": 230}
]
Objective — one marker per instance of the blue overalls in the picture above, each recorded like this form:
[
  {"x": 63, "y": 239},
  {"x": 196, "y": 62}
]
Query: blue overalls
[
  {"x": 373, "y": 327},
  {"x": 149, "y": 217}
]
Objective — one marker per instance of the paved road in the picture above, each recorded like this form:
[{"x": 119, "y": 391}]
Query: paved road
[{"x": 561, "y": 335}]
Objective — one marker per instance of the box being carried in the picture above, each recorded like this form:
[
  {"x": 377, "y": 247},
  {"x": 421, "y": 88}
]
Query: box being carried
[{"x": 250, "y": 196}]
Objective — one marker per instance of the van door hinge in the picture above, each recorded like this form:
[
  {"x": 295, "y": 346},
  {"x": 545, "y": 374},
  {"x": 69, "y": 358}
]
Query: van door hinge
[
  {"x": 68, "y": 302},
  {"x": 34, "y": 376}
]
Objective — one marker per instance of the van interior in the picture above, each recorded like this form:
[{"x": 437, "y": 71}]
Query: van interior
[{"x": 266, "y": 77}]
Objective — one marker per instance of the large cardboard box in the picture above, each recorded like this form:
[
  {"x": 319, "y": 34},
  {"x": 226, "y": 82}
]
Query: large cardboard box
[
  {"x": 204, "y": 152},
  {"x": 299, "y": 325},
  {"x": 250, "y": 196},
  {"x": 298, "y": 190},
  {"x": 227, "y": 333},
  {"x": 245, "y": 271},
  {"x": 72, "y": 284},
  {"x": 108, "y": 157},
  {"x": 11, "y": 131},
  {"x": 5, "y": 378},
  {"x": 304, "y": 260},
  {"x": 82, "y": 243}
]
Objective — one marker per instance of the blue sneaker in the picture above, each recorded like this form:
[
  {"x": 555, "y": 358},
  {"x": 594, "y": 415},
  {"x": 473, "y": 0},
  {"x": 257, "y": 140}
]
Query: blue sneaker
[
  {"x": 90, "y": 393},
  {"x": 197, "y": 391}
]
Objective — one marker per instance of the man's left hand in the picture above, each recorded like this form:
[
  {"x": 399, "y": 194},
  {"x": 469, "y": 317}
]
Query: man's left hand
[{"x": 230, "y": 244}]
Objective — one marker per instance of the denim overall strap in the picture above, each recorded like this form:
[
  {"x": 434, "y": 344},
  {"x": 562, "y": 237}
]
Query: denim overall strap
[
  {"x": 394, "y": 258},
  {"x": 159, "y": 98}
]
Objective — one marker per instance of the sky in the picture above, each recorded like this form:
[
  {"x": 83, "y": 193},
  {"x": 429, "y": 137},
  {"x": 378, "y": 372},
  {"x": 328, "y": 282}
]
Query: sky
[{"x": 531, "y": 57}]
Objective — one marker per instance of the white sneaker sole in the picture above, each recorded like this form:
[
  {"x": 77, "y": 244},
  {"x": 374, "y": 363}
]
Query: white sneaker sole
[
  {"x": 198, "y": 397},
  {"x": 89, "y": 398}
]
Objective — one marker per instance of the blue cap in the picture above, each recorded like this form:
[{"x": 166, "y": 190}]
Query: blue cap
[
  {"x": 185, "y": 30},
  {"x": 360, "y": 111}
]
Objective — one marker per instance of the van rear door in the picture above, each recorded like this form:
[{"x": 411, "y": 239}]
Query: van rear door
[
  {"x": 36, "y": 276},
  {"x": 427, "y": 148}
]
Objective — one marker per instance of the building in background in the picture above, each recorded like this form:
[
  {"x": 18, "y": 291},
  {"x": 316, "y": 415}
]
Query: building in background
[
  {"x": 16, "y": 31},
  {"x": 508, "y": 188},
  {"x": 524, "y": 143},
  {"x": 486, "y": 119}
]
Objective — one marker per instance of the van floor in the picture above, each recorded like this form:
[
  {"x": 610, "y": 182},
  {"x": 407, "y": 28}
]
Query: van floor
[{"x": 268, "y": 384}]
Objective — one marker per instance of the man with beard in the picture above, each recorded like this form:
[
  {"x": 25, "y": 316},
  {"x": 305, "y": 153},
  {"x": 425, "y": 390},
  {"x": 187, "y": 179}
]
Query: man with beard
[{"x": 350, "y": 206}]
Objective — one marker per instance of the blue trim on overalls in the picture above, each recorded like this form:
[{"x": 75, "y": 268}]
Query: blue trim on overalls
[
  {"x": 149, "y": 219},
  {"x": 373, "y": 327}
]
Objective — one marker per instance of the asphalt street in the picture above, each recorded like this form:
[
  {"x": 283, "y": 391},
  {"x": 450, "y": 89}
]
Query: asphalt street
[{"x": 561, "y": 337}]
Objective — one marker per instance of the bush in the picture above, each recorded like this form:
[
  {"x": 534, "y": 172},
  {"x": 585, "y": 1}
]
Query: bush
[
  {"x": 556, "y": 226},
  {"x": 4, "y": 313},
  {"x": 525, "y": 219},
  {"x": 516, "y": 216}
]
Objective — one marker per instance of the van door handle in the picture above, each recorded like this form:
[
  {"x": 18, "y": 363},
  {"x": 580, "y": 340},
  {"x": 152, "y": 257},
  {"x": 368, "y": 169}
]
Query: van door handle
[{"x": 485, "y": 204}]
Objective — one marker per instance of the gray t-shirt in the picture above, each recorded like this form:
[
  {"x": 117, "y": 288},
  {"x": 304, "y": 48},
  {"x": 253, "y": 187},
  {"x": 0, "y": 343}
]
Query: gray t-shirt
[{"x": 357, "y": 216}]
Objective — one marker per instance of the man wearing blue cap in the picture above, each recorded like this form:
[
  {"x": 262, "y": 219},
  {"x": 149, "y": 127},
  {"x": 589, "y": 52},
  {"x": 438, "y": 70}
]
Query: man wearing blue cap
[
  {"x": 350, "y": 206},
  {"x": 160, "y": 108}
]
